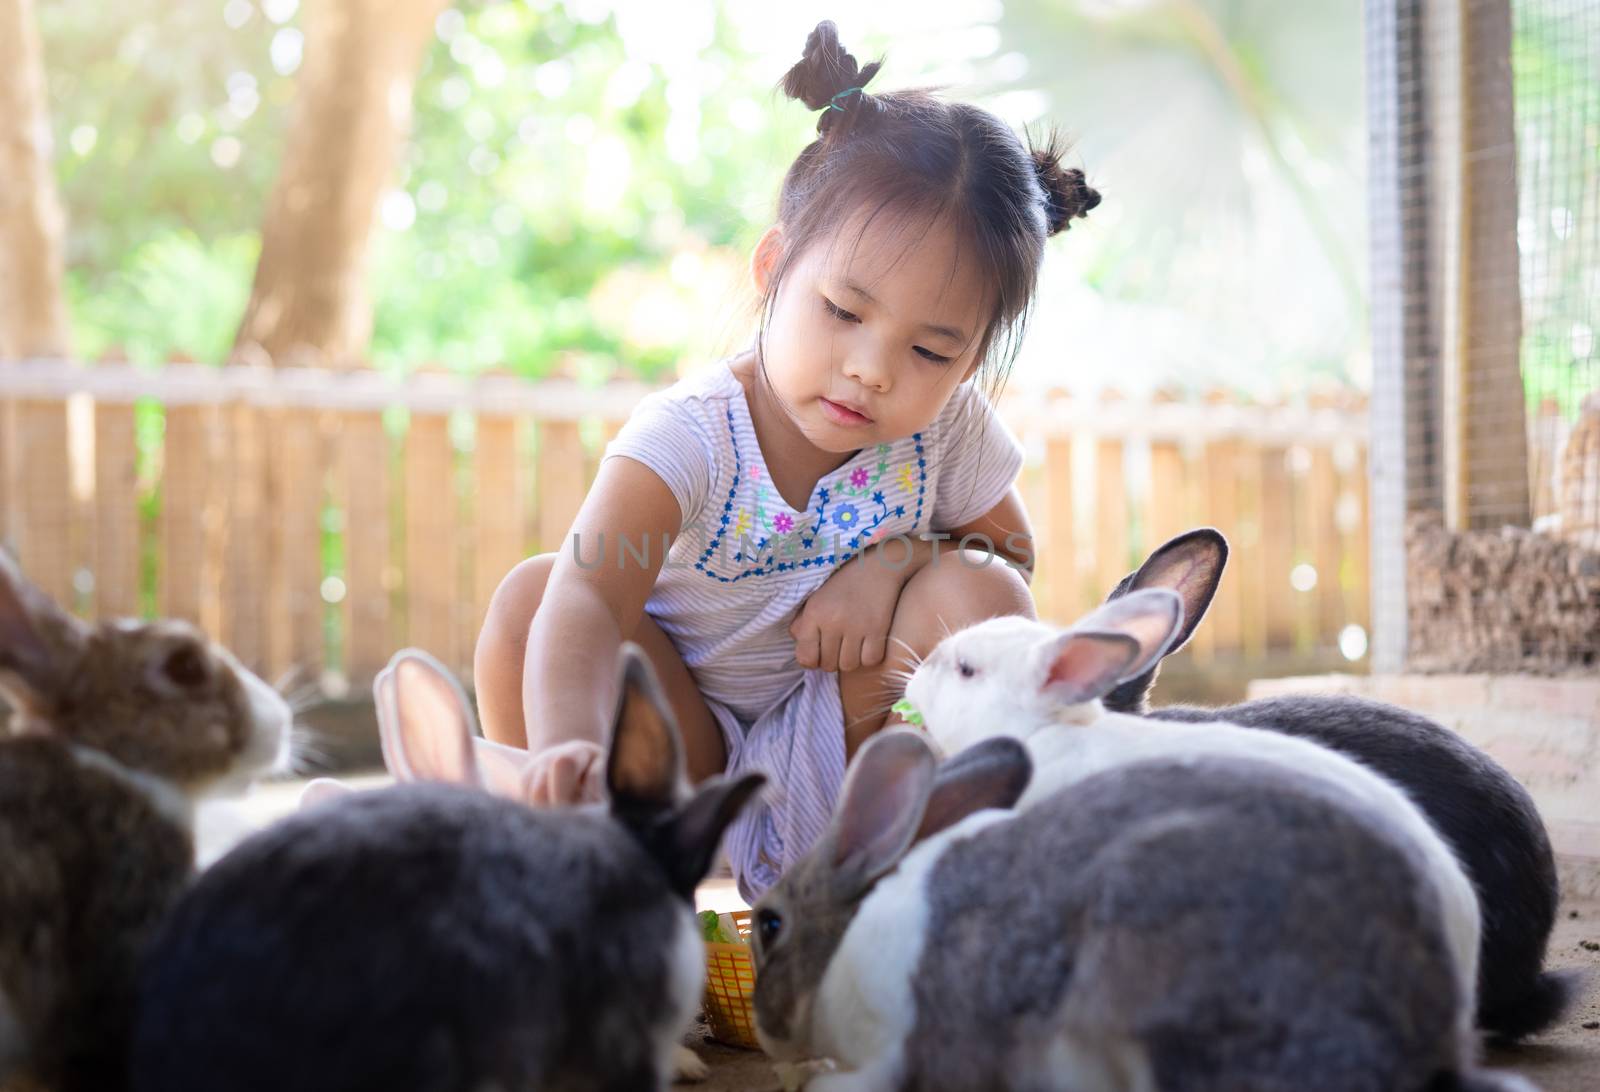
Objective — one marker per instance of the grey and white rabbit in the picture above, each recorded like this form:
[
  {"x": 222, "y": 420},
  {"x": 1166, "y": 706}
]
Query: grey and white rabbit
[
  {"x": 438, "y": 938},
  {"x": 1042, "y": 685},
  {"x": 117, "y": 730},
  {"x": 1481, "y": 811},
  {"x": 1212, "y": 924}
]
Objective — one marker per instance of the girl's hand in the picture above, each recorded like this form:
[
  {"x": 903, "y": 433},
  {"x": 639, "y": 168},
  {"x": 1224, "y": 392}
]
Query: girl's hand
[
  {"x": 844, "y": 624},
  {"x": 573, "y": 772}
]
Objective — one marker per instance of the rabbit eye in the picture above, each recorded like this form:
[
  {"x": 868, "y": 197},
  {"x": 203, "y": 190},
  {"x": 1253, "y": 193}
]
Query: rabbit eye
[
  {"x": 186, "y": 666},
  {"x": 769, "y": 923},
  {"x": 966, "y": 669}
]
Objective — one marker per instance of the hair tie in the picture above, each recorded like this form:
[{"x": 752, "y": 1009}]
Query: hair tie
[{"x": 833, "y": 103}]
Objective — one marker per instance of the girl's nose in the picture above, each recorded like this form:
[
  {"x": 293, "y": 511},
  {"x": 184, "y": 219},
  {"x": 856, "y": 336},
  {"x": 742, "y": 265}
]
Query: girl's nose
[{"x": 868, "y": 367}]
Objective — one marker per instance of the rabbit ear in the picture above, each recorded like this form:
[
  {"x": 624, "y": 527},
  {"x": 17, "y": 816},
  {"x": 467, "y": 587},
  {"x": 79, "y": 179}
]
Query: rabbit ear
[
  {"x": 1151, "y": 618},
  {"x": 1083, "y": 666},
  {"x": 503, "y": 768},
  {"x": 697, "y": 828},
  {"x": 39, "y": 642},
  {"x": 880, "y": 808},
  {"x": 1190, "y": 565},
  {"x": 644, "y": 770},
  {"x": 992, "y": 773},
  {"x": 322, "y": 790},
  {"x": 424, "y": 721}
]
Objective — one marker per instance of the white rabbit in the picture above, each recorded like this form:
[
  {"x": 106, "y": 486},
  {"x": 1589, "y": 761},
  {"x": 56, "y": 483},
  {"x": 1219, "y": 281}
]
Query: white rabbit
[{"x": 1017, "y": 677}]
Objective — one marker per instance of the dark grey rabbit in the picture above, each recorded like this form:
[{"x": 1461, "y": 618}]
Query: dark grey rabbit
[
  {"x": 1214, "y": 924},
  {"x": 436, "y": 938},
  {"x": 1480, "y": 810}
]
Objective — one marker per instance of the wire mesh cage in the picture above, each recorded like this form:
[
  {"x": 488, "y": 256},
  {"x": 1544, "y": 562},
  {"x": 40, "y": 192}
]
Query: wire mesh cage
[{"x": 1485, "y": 184}]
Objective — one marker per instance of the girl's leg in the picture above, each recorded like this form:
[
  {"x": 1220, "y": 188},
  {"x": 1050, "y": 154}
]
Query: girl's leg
[
  {"x": 502, "y": 645},
  {"x": 960, "y": 589}
]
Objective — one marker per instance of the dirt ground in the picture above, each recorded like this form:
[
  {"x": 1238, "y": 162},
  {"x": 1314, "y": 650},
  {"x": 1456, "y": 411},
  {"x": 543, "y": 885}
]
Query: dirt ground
[{"x": 1565, "y": 1059}]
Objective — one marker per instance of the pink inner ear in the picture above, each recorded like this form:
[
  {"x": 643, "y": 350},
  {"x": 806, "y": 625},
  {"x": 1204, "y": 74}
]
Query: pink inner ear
[
  {"x": 1086, "y": 665},
  {"x": 503, "y": 768},
  {"x": 435, "y": 731}
]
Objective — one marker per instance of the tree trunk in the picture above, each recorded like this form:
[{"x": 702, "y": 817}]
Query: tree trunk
[
  {"x": 309, "y": 302},
  {"x": 33, "y": 310}
]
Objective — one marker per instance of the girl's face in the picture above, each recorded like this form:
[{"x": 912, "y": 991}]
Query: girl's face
[{"x": 867, "y": 342}]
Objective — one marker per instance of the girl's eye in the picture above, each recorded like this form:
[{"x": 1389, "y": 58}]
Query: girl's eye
[
  {"x": 838, "y": 312},
  {"x": 966, "y": 669},
  {"x": 929, "y": 354}
]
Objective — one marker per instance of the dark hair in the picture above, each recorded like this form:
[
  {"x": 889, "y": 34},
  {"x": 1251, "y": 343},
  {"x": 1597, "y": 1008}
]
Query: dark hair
[{"x": 913, "y": 155}]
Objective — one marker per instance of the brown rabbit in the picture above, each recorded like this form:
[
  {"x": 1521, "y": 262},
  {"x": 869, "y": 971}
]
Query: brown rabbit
[{"x": 116, "y": 730}]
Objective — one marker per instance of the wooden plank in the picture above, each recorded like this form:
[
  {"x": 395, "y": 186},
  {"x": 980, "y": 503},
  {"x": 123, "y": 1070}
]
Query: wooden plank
[
  {"x": 1248, "y": 549},
  {"x": 116, "y": 513},
  {"x": 501, "y": 504},
  {"x": 1326, "y": 547},
  {"x": 296, "y": 486},
  {"x": 186, "y": 459},
  {"x": 1111, "y": 561},
  {"x": 1058, "y": 560},
  {"x": 1277, "y": 548},
  {"x": 1221, "y": 500},
  {"x": 1166, "y": 509},
  {"x": 366, "y": 492},
  {"x": 246, "y": 575},
  {"x": 1357, "y": 542},
  {"x": 562, "y": 484},
  {"x": 431, "y": 568},
  {"x": 1307, "y": 514},
  {"x": 8, "y": 481},
  {"x": 43, "y": 516}
]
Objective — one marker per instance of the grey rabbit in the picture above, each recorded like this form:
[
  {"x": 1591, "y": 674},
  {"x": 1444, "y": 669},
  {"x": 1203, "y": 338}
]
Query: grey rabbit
[
  {"x": 1481, "y": 811},
  {"x": 437, "y": 938},
  {"x": 1212, "y": 924},
  {"x": 117, "y": 730}
]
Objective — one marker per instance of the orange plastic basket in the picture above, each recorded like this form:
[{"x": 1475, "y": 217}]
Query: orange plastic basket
[{"x": 731, "y": 989}]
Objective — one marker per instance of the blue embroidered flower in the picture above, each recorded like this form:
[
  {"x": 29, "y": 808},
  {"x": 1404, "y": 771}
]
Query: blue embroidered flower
[{"x": 845, "y": 515}]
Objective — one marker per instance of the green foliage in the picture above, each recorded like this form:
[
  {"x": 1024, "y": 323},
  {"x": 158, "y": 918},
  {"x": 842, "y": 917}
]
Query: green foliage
[
  {"x": 1557, "y": 93},
  {"x": 547, "y": 154}
]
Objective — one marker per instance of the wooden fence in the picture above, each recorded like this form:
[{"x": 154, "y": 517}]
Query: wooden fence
[{"x": 321, "y": 520}]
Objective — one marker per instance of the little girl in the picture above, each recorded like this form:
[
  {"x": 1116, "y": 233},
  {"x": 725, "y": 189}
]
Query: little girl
[{"x": 837, "y": 498}]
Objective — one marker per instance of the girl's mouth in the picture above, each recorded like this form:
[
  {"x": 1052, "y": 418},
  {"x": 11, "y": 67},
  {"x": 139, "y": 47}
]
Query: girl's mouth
[{"x": 844, "y": 415}]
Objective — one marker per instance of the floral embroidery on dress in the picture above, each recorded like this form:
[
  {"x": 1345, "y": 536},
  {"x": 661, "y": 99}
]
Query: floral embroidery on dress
[
  {"x": 853, "y": 503},
  {"x": 905, "y": 477}
]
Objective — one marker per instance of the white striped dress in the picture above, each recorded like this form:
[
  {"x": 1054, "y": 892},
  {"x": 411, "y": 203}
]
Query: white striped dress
[{"x": 745, "y": 561}]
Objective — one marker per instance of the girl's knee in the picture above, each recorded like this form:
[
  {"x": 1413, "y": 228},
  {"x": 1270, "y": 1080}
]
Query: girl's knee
[
  {"x": 967, "y": 586},
  {"x": 511, "y": 610}
]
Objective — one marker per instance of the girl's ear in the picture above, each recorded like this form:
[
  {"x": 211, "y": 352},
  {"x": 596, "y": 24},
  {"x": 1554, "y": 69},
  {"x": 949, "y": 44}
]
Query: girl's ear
[{"x": 764, "y": 262}]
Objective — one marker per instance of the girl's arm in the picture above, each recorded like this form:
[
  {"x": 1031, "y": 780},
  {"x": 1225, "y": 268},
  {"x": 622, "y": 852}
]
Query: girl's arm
[
  {"x": 845, "y": 623},
  {"x": 1007, "y": 526},
  {"x": 569, "y": 674}
]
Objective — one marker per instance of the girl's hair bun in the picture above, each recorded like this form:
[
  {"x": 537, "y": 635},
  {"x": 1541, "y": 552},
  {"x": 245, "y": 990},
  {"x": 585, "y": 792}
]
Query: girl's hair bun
[
  {"x": 824, "y": 73},
  {"x": 1067, "y": 195}
]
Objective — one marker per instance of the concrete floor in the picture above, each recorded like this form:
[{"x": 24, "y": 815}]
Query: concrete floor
[{"x": 1566, "y": 1059}]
